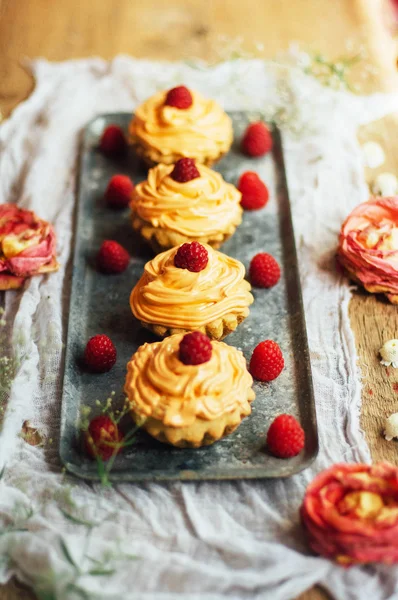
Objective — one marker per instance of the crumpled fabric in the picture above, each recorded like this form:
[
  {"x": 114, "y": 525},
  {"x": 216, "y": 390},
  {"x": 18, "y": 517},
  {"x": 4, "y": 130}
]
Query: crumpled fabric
[{"x": 209, "y": 540}]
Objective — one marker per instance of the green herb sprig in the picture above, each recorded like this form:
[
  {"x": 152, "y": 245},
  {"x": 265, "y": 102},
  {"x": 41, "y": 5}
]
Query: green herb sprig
[{"x": 104, "y": 468}]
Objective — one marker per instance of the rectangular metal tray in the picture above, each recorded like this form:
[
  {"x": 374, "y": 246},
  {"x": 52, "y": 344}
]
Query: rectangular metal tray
[{"x": 100, "y": 304}]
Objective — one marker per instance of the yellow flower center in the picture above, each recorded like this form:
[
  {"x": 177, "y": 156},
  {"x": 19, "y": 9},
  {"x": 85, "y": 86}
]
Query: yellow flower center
[
  {"x": 384, "y": 237},
  {"x": 365, "y": 505}
]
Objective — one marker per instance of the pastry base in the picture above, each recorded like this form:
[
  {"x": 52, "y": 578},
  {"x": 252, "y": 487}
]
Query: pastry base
[
  {"x": 373, "y": 289},
  {"x": 164, "y": 239},
  {"x": 152, "y": 157},
  {"x": 200, "y": 433},
  {"x": 10, "y": 282},
  {"x": 393, "y": 298},
  {"x": 14, "y": 282},
  {"x": 216, "y": 330}
]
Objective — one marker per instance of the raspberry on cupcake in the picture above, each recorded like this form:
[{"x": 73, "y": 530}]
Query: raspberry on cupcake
[
  {"x": 195, "y": 348},
  {"x": 180, "y": 123},
  {"x": 192, "y": 256},
  {"x": 185, "y": 170},
  {"x": 179, "y": 97},
  {"x": 192, "y": 287},
  {"x": 185, "y": 202},
  {"x": 187, "y": 390}
]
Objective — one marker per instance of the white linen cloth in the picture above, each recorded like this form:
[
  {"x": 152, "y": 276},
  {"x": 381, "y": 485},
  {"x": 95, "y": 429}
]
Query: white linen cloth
[{"x": 210, "y": 541}]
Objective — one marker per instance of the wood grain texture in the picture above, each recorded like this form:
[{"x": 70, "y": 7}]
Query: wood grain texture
[
  {"x": 16, "y": 591},
  {"x": 375, "y": 321},
  {"x": 182, "y": 29},
  {"x": 178, "y": 29}
]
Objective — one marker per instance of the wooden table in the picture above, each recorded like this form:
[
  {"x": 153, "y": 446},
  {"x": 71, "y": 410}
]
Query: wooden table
[{"x": 180, "y": 29}]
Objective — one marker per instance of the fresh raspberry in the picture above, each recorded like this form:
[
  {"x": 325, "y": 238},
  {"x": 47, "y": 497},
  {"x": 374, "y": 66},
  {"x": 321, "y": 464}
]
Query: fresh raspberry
[
  {"x": 192, "y": 256},
  {"x": 113, "y": 140},
  {"x": 179, "y": 97},
  {"x": 267, "y": 361},
  {"x": 118, "y": 191},
  {"x": 112, "y": 257},
  {"x": 184, "y": 170},
  {"x": 100, "y": 354},
  {"x": 254, "y": 191},
  {"x": 264, "y": 271},
  {"x": 257, "y": 139},
  {"x": 103, "y": 438},
  {"x": 195, "y": 348},
  {"x": 285, "y": 437}
]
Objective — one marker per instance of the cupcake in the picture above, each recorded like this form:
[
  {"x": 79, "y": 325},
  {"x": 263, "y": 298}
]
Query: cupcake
[
  {"x": 185, "y": 202},
  {"x": 192, "y": 288},
  {"x": 27, "y": 246},
  {"x": 188, "y": 391},
  {"x": 178, "y": 123},
  {"x": 368, "y": 246}
]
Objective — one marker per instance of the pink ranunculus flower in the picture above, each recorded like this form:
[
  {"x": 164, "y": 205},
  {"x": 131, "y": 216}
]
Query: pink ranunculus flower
[
  {"x": 350, "y": 513},
  {"x": 368, "y": 246},
  {"x": 27, "y": 246}
]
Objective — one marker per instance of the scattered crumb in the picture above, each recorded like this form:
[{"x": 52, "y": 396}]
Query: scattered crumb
[
  {"x": 391, "y": 427},
  {"x": 373, "y": 155},
  {"x": 389, "y": 353},
  {"x": 30, "y": 434},
  {"x": 385, "y": 184}
]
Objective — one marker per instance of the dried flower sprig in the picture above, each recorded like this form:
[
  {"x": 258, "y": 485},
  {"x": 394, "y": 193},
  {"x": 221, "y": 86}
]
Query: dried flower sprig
[
  {"x": 333, "y": 74},
  {"x": 285, "y": 107},
  {"x": 116, "y": 441},
  {"x": 108, "y": 560}
]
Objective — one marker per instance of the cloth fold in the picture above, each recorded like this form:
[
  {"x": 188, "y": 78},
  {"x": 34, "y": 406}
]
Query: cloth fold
[{"x": 236, "y": 540}]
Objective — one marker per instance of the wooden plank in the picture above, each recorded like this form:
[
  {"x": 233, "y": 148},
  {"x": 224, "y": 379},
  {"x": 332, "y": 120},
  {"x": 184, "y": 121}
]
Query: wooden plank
[
  {"x": 174, "y": 30},
  {"x": 182, "y": 29},
  {"x": 16, "y": 591},
  {"x": 374, "y": 321}
]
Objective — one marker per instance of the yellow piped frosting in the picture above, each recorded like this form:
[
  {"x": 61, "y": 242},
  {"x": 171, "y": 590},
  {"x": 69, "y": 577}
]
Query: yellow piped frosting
[
  {"x": 204, "y": 206},
  {"x": 160, "y": 386},
  {"x": 202, "y": 131},
  {"x": 178, "y": 298}
]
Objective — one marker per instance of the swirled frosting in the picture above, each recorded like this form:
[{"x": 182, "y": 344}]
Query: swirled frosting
[
  {"x": 368, "y": 244},
  {"x": 204, "y": 206},
  {"x": 178, "y": 298},
  {"x": 159, "y": 385},
  {"x": 202, "y": 131}
]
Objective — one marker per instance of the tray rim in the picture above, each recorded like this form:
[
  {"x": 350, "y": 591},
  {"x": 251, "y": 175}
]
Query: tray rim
[{"x": 255, "y": 473}]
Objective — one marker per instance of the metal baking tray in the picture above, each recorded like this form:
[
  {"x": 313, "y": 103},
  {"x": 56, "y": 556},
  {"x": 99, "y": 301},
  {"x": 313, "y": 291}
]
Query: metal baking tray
[{"x": 100, "y": 304}]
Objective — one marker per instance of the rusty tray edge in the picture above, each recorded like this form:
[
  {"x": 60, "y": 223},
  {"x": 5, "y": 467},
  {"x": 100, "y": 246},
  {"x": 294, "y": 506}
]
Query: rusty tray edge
[{"x": 291, "y": 466}]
